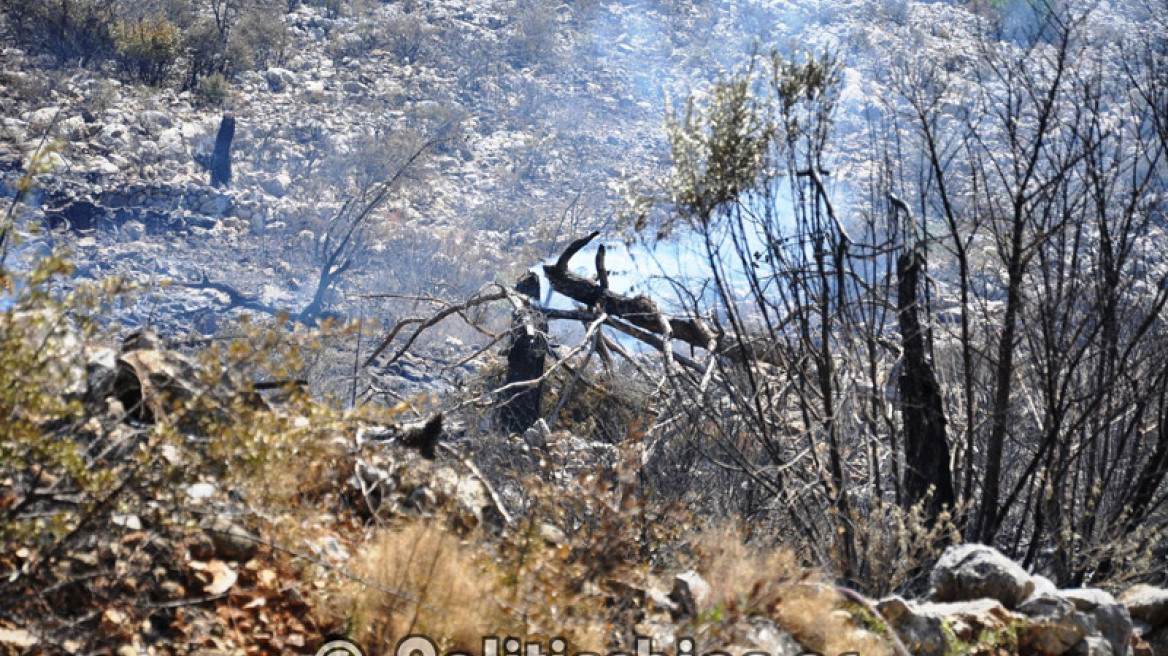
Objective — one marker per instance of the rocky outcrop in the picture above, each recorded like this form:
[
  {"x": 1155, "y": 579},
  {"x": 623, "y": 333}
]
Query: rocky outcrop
[
  {"x": 980, "y": 597},
  {"x": 1147, "y": 604},
  {"x": 1111, "y": 619},
  {"x": 974, "y": 571}
]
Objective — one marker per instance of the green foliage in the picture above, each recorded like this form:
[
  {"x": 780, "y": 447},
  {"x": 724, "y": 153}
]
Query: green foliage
[
  {"x": 257, "y": 41},
  {"x": 719, "y": 148},
  {"x": 42, "y": 334},
  {"x": 746, "y": 128},
  {"x": 147, "y": 48},
  {"x": 147, "y": 39},
  {"x": 213, "y": 89},
  {"x": 242, "y": 36}
]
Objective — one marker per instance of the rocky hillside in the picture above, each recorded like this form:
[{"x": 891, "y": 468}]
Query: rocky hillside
[{"x": 543, "y": 115}]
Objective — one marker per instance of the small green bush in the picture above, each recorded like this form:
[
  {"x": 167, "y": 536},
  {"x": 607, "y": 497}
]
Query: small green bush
[
  {"x": 257, "y": 42},
  {"x": 212, "y": 90},
  {"x": 147, "y": 48}
]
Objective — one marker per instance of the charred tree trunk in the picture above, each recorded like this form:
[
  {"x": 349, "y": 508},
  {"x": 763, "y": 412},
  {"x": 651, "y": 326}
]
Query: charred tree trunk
[
  {"x": 221, "y": 156},
  {"x": 525, "y": 360},
  {"x": 926, "y": 448}
]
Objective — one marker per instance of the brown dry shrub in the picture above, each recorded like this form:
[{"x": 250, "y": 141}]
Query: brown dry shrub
[
  {"x": 751, "y": 580},
  {"x": 445, "y": 588}
]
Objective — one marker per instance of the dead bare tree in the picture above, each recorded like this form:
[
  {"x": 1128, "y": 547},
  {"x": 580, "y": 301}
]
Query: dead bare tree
[
  {"x": 344, "y": 242},
  {"x": 341, "y": 247}
]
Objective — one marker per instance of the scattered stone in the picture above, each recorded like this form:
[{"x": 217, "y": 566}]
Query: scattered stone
[
  {"x": 128, "y": 522},
  {"x": 924, "y": 627},
  {"x": 552, "y": 535},
  {"x": 1112, "y": 620},
  {"x": 200, "y": 491},
  {"x": 279, "y": 79},
  {"x": 277, "y": 185},
  {"x": 133, "y": 230}
]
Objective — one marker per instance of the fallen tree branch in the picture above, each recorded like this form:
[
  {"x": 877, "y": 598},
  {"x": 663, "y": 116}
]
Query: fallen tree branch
[
  {"x": 474, "y": 301},
  {"x": 642, "y": 313},
  {"x": 645, "y": 336}
]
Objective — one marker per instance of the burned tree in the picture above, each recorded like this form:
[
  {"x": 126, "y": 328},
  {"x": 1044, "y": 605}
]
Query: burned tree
[
  {"x": 809, "y": 364},
  {"x": 525, "y": 358},
  {"x": 343, "y": 243},
  {"x": 927, "y": 478},
  {"x": 220, "y": 164}
]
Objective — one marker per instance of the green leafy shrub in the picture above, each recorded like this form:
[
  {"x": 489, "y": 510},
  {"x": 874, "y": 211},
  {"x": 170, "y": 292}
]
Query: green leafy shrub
[
  {"x": 213, "y": 89},
  {"x": 147, "y": 48},
  {"x": 256, "y": 42},
  {"x": 41, "y": 336}
]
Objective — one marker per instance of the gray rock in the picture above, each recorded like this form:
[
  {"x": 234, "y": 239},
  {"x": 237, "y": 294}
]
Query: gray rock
[
  {"x": 129, "y": 522},
  {"x": 1112, "y": 620},
  {"x": 923, "y": 626},
  {"x": 215, "y": 205},
  {"x": 1045, "y": 605},
  {"x": 691, "y": 593},
  {"x": 279, "y": 79},
  {"x": 765, "y": 635},
  {"x": 154, "y": 121},
  {"x": 42, "y": 118},
  {"x": 170, "y": 143},
  {"x": 277, "y": 185},
  {"x": 1092, "y": 646},
  {"x": 536, "y": 437},
  {"x": 1056, "y": 626},
  {"x": 975, "y": 571},
  {"x": 1147, "y": 603},
  {"x": 200, "y": 491},
  {"x": 1051, "y": 638},
  {"x": 100, "y": 374},
  {"x": 102, "y": 166},
  {"x": 229, "y": 540},
  {"x": 133, "y": 230},
  {"x": 552, "y": 535}
]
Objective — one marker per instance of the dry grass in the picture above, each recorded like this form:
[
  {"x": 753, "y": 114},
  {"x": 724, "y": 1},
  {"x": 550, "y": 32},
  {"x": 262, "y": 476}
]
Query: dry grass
[
  {"x": 750, "y": 581},
  {"x": 447, "y": 586}
]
